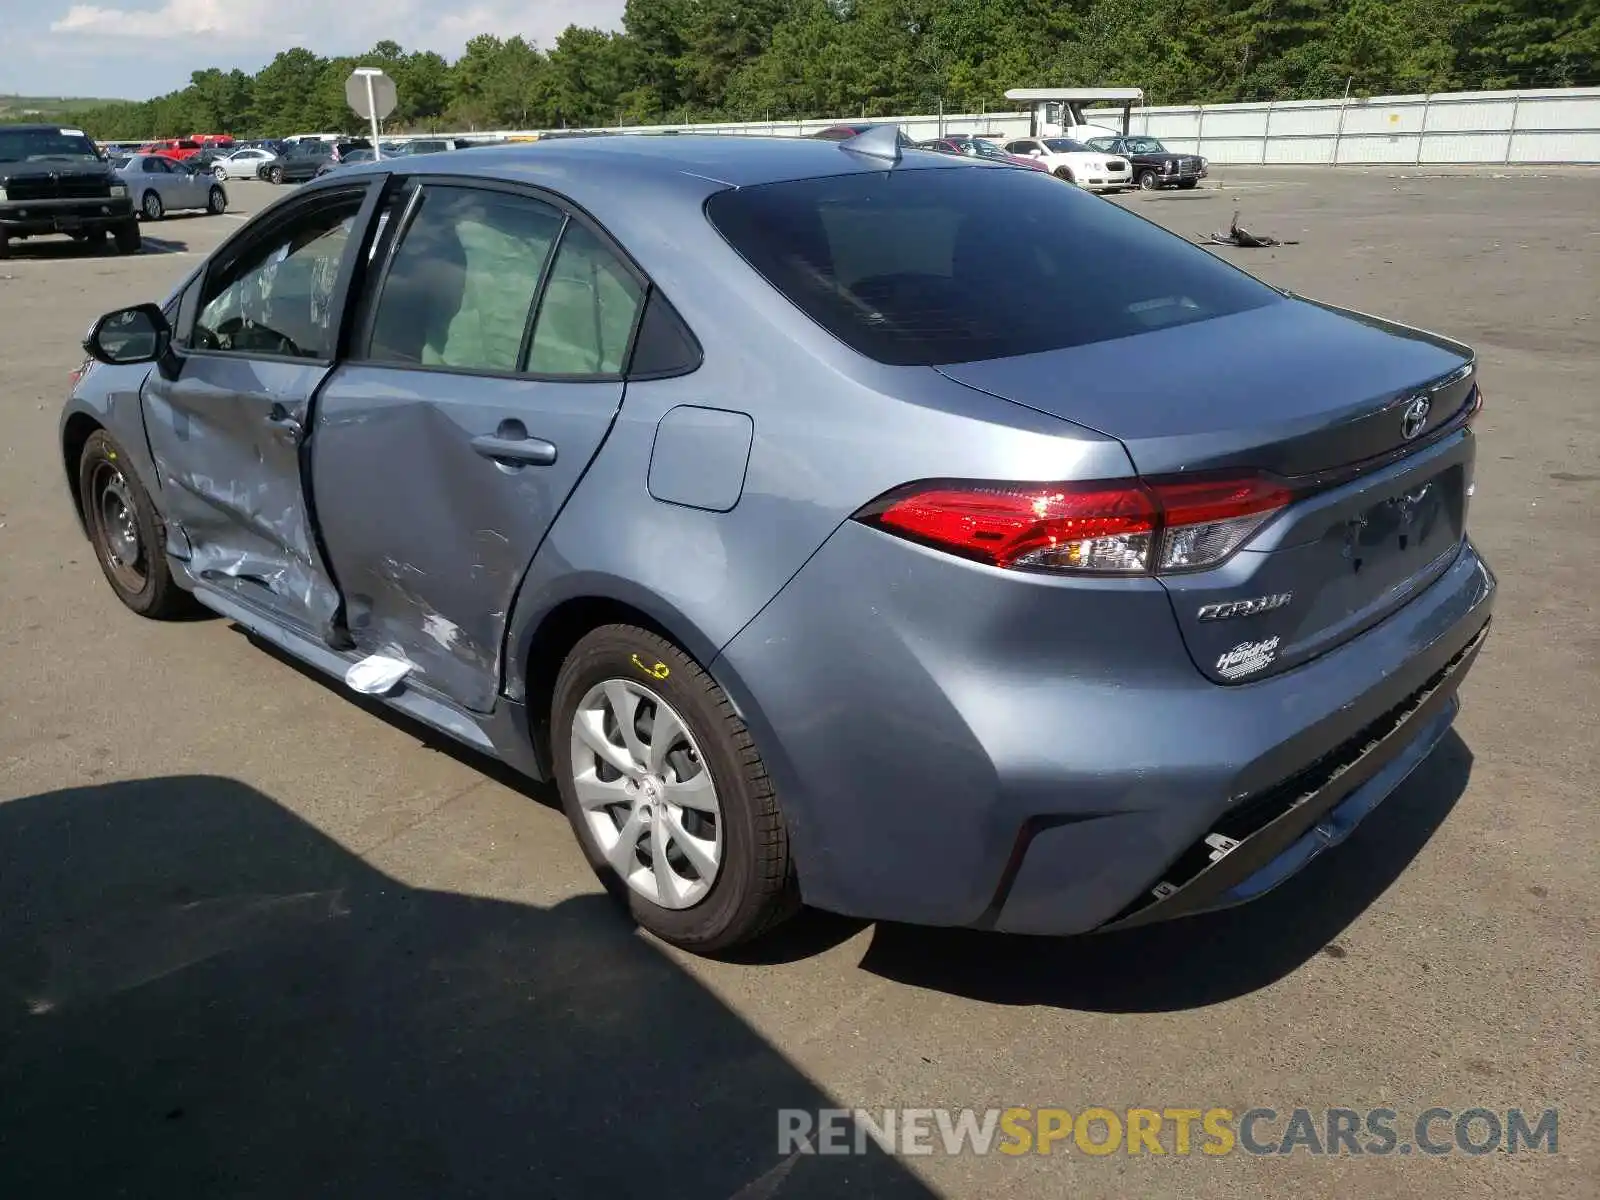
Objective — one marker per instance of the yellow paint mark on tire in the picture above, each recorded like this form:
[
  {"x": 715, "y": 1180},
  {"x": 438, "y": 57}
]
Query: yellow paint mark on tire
[{"x": 659, "y": 671}]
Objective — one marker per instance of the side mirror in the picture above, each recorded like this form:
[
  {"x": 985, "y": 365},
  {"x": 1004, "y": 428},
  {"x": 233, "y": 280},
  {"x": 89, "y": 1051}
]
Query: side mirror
[
  {"x": 1036, "y": 153},
  {"x": 130, "y": 335}
]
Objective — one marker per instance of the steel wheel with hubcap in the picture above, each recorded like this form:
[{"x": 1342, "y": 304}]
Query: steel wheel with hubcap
[
  {"x": 667, "y": 793},
  {"x": 646, "y": 794}
]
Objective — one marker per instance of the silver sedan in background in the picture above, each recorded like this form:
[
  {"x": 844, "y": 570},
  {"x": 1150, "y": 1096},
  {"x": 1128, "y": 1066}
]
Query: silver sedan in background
[
  {"x": 241, "y": 164},
  {"x": 159, "y": 185}
]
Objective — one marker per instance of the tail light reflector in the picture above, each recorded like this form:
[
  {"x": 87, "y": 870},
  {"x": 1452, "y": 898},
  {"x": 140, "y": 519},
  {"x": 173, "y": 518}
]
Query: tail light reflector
[{"x": 1119, "y": 527}]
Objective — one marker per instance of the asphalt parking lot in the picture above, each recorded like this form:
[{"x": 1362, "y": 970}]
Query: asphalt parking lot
[{"x": 257, "y": 940}]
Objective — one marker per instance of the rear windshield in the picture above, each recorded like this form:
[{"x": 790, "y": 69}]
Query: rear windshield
[{"x": 972, "y": 262}]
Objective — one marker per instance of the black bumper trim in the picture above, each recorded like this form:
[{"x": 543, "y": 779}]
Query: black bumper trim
[{"x": 1264, "y": 826}]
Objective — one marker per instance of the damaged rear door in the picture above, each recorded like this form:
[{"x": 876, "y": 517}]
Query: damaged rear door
[
  {"x": 227, "y": 416},
  {"x": 486, "y": 374}
]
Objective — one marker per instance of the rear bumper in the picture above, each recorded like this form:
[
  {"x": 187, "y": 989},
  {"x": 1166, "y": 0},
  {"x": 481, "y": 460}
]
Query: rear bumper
[
  {"x": 28, "y": 218},
  {"x": 956, "y": 745}
]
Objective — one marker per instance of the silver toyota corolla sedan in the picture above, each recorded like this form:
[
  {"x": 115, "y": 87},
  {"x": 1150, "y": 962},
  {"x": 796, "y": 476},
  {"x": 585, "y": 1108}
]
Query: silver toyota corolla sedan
[{"x": 817, "y": 541}]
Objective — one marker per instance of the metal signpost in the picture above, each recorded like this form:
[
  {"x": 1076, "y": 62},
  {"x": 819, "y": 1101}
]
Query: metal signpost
[{"x": 370, "y": 93}]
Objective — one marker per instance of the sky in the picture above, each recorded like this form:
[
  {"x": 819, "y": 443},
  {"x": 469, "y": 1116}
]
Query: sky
[{"x": 143, "y": 48}]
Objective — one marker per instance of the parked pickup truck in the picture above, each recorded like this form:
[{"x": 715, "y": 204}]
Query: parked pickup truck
[{"x": 54, "y": 180}]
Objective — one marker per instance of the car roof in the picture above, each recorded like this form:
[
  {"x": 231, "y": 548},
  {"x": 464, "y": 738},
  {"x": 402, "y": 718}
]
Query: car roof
[{"x": 731, "y": 160}]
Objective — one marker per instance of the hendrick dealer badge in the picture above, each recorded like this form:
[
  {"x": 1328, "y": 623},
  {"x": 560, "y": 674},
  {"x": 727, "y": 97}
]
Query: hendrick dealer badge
[{"x": 1247, "y": 658}]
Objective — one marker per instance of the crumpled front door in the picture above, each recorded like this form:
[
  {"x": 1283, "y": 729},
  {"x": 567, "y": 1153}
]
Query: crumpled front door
[{"x": 226, "y": 436}]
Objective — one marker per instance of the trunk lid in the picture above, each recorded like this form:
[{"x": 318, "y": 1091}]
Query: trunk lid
[{"x": 1328, "y": 399}]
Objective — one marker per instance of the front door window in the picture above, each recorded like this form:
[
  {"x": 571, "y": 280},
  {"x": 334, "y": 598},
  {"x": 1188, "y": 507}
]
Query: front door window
[{"x": 276, "y": 299}]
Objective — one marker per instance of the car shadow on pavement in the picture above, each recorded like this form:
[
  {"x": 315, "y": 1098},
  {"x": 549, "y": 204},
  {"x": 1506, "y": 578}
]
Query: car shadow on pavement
[
  {"x": 202, "y": 995},
  {"x": 1202, "y": 960}
]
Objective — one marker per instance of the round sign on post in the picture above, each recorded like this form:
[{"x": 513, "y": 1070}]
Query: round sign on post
[{"x": 371, "y": 94}]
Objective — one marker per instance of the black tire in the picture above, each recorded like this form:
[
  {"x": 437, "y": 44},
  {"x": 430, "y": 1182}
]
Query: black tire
[
  {"x": 275, "y": 175},
  {"x": 5, "y": 245},
  {"x": 1063, "y": 174},
  {"x": 95, "y": 239},
  {"x": 216, "y": 202},
  {"x": 1146, "y": 180},
  {"x": 147, "y": 588},
  {"x": 1189, "y": 184},
  {"x": 151, "y": 208},
  {"x": 129, "y": 239},
  {"x": 755, "y": 888}
]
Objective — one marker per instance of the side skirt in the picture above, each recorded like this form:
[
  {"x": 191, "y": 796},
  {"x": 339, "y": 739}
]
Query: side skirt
[{"x": 502, "y": 734}]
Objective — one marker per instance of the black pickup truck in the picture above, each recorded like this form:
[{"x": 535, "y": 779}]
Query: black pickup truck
[{"x": 54, "y": 180}]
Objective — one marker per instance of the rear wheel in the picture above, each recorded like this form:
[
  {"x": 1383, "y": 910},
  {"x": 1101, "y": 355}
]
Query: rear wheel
[
  {"x": 275, "y": 175},
  {"x": 667, "y": 792},
  {"x": 216, "y": 202},
  {"x": 1147, "y": 181},
  {"x": 151, "y": 207},
  {"x": 126, "y": 532},
  {"x": 5, "y": 244},
  {"x": 129, "y": 239}
]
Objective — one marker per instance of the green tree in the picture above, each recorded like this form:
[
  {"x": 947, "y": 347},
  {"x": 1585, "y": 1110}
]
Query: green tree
[{"x": 747, "y": 59}]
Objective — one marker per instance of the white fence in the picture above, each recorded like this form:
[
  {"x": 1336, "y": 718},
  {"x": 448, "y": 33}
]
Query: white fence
[
  {"x": 1549, "y": 126},
  {"x": 1544, "y": 127}
]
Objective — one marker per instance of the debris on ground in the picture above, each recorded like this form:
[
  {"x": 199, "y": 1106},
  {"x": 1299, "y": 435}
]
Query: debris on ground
[{"x": 1244, "y": 238}]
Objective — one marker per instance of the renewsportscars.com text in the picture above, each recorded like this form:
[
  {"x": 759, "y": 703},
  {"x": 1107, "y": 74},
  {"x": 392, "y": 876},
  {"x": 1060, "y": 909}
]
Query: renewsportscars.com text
[{"x": 1100, "y": 1131}]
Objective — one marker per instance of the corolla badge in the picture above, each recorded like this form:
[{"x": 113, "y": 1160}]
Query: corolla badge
[
  {"x": 1415, "y": 418},
  {"x": 1247, "y": 658},
  {"x": 1244, "y": 608}
]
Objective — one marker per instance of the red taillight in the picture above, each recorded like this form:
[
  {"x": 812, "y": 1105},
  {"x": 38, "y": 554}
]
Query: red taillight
[{"x": 1117, "y": 527}]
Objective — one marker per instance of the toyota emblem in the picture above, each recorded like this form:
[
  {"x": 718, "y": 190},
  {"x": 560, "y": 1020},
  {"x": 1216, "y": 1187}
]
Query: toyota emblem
[{"x": 1415, "y": 419}]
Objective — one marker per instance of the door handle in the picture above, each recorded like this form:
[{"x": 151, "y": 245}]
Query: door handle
[
  {"x": 511, "y": 446},
  {"x": 280, "y": 416}
]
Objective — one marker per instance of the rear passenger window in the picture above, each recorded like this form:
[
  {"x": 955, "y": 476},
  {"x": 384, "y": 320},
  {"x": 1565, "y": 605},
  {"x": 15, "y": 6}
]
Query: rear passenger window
[
  {"x": 463, "y": 280},
  {"x": 586, "y": 318}
]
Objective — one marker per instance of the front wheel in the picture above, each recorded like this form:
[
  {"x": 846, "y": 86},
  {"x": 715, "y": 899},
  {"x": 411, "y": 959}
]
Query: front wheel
[
  {"x": 129, "y": 239},
  {"x": 1189, "y": 184},
  {"x": 221, "y": 173},
  {"x": 1147, "y": 181},
  {"x": 217, "y": 202},
  {"x": 1065, "y": 175},
  {"x": 667, "y": 792},
  {"x": 126, "y": 532}
]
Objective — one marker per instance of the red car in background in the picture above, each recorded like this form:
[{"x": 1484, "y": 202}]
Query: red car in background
[
  {"x": 175, "y": 148},
  {"x": 971, "y": 147}
]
